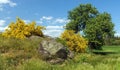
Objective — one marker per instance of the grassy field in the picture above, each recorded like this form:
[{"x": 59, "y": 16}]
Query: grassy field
[
  {"x": 22, "y": 55},
  {"x": 108, "y": 50},
  {"x": 112, "y": 48}
]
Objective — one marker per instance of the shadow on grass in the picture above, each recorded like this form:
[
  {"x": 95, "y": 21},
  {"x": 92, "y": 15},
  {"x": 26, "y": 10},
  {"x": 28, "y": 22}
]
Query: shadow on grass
[{"x": 101, "y": 52}]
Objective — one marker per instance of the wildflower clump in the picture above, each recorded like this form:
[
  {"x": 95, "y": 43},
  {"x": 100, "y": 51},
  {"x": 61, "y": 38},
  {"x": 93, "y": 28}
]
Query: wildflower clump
[
  {"x": 74, "y": 42},
  {"x": 21, "y": 30}
]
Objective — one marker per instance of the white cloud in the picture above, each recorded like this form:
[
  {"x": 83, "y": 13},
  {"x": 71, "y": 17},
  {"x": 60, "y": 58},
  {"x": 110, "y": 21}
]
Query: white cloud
[
  {"x": 2, "y": 22},
  {"x": 12, "y": 4},
  {"x": 3, "y": 28},
  {"x": 39, "y": 22},
  {"x": 53, "y": 31},
  {"x": 60, "y": 20},
  {"x": 54, "y": 27},
  {"x": 117, "y": 34},
  {"x": 26, "y": 21},
  {"x": 6, "y": 2},
  {"x": 46, "y": 18},
  {"x": 52, "y": 20}
]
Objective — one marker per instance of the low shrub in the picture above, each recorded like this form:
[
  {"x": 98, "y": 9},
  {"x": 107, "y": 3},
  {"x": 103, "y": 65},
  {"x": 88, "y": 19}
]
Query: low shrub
[
  {"x": 21, "y": 30},
  {"x": 75, "y": 42}
]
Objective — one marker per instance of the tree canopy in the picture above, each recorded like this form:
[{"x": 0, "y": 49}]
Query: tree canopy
[
  {"x": 98, "y": 29},
  {"x": 95, "y": 26},
  {"x": 79, "y": 16}
]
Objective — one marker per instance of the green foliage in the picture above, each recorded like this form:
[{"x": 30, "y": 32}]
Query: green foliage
[
  {"x": 95, "y": 26},
  {"x": 21, "y": 30},
  {"x": 98, "y": 29},
  {"x": 75, "y": 42},
  {"x": 61, "y": 41},
  {"x": 79, "y": 16},
  {"x": 115, "y": 42},
  {"x": 112, "y": 41}
]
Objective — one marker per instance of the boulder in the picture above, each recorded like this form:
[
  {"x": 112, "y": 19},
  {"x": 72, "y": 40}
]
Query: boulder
[
  {"x": 34, "y": 37},
  {"x": 71, "y": 54},
  {"x": 51, "y": 49}
]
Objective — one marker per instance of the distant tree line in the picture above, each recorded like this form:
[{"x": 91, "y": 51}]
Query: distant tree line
[{"x": 113, "y": 41}]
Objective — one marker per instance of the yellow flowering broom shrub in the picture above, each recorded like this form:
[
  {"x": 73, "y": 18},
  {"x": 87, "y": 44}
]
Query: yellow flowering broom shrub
[
  {"x": 21, "y": 30},
  {"x": 75, "y": 42}
]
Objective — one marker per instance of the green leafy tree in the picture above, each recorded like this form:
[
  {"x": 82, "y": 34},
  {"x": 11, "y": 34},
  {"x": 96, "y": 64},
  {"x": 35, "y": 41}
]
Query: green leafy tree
[
  {"x": 95, "y": 26},
  {"x": 79, "y": 16},
  {"x": 98, "y": 29}
]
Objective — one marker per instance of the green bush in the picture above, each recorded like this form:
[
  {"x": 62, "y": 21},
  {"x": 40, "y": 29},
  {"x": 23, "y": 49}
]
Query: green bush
[
  {"x": 115, "y": 42},
  {"x": 61, "y": 41}
]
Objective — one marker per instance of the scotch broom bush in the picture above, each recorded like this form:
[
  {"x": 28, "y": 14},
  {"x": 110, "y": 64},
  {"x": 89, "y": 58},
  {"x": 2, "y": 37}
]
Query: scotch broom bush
[
  {"x": 21, "y": 30},
  {"x": 75, "y": 42}
]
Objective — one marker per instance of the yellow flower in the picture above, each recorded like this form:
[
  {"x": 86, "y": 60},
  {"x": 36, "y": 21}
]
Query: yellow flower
[{"x": 75, "y": 42}]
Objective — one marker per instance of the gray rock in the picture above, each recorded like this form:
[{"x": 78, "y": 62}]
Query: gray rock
[
  {"x": 71, "y": 54},
  {"x": 33, "y": 37},
  {"x": 51, "y": 49}
]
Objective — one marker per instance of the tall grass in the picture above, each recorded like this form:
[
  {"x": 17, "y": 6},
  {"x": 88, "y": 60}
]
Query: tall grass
[
  {"x": 18, "y": 54},
  {"x": 90, "y": 62},
  {"x": 16, "y": 51},
  {"x": 2, "y": 63}
]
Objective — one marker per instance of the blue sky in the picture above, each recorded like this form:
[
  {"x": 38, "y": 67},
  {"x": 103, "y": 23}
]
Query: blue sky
[{"x": 52, "y": 13}]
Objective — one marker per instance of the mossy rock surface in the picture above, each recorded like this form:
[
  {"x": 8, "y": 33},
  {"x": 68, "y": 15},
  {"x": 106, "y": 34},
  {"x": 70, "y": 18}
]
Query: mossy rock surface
[{"x": 51, "y": 49}]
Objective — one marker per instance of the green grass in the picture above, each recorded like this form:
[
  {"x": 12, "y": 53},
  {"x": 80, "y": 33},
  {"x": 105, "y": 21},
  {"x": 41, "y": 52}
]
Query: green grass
[
  {"x": 108, "y": 50},
  {"x": 80, "y": 62},
  {"x": 112, "y": 48},
  {"x": 18, "y": 54}
]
